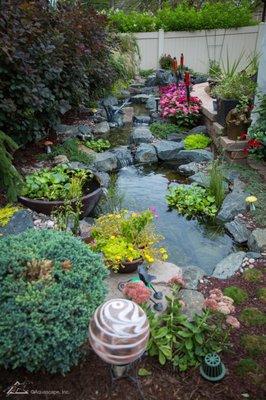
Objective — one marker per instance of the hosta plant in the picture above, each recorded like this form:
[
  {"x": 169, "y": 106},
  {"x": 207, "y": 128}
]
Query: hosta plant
[
  {"x": 98, "y": 145},
  {"x": 196, "y": 141},
  {"x": 175, "y": 106},
  {"x": 192, "y": 200},
  {"x": 51, "y": 283}
]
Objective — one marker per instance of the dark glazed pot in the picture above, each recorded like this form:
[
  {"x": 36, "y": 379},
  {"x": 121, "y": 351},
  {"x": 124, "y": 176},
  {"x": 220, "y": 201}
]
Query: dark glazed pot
[
  {"x": 223, "y": 108},
  {"x": 89, "y": 200},
  {"x": 128, "y": 267}
]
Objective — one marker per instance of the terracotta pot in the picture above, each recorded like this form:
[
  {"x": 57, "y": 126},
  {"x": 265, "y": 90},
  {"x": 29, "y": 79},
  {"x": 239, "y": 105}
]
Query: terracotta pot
[
  {"x": 234, "y": 131},
  {"x": 89, "y": 201},
  {"x": 128, "y": 267}
]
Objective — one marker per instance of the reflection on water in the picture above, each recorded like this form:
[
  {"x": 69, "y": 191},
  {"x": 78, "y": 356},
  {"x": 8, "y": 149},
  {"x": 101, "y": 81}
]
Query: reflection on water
[{"x": 188, "y": 241}]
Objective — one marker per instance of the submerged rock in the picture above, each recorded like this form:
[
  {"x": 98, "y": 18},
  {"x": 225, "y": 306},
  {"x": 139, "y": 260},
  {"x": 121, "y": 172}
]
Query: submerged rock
[
  {"x": 194, "y": 302},
  {"x": 238, "y": 230},
  {"x": 146, "y": 153},
  {"x": 233, "y": 204},
  {"x": 123, "y": 156},
  {"x": 167, "y": 150},
  {"x": 229, "y": 265},
  {"x": 257, "y": 240},
  {"x": 105, "y": 161},
  {"x": 20, "y": 222},
  {"x": 190, "y": 168},
  {"x": 187, "y": 156},
  {"x": 141, "y": 134}
]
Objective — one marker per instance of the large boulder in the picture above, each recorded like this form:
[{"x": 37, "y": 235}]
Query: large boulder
[
  {"x": 257, "y": 240},
  {"x": 233, "y": 204},
  {"x": 101, "y": 128},
  {"x": 105, "y": 161},
  {"x": 198, "y": 129},
  {"x": 175, "y": 137},
  {"x": 238, "y": 230},
  {"x": 20, "y": 222},
  {"x": 123, "y": 156},
  {"x": 146, "y": 153},
  {"x": 229, "y": 265},
  {"x": 142, "y": 119},
  {"x": 72, "y": 131},
  {"x": 167, "y": 150},
  {"x": 165, "y": 77},
  {"x": 141, "y": 134},
  {"x": 187, "y": 156}
]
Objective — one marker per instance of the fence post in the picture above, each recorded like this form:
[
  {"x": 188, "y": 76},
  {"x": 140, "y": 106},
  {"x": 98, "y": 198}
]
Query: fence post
[{"x": 160, "y": 45}]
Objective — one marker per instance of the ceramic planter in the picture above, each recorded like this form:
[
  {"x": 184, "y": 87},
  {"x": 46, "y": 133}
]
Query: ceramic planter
[
  {"x": 129, "y": 267},
  {"x": 89, "y": 200},
  {"x": 223, "y": 108}
]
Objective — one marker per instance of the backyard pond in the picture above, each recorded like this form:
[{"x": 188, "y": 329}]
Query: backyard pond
[{"x": 189, "y": 242}]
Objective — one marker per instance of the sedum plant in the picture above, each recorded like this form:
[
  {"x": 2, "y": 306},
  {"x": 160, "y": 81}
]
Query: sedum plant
[
  {"x": 196, "y": 141},
  {"x": 6, "y": 213},
  {"x": 51, "y": 283},
  {"x": 192, "y": 200}
]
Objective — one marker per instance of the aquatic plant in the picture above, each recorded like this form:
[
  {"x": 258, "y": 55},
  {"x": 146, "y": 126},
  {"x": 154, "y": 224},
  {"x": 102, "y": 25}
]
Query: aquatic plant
[{"x": 217, "y": 184}]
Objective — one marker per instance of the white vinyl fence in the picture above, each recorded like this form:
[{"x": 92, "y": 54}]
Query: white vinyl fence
[{"x": 199, "y": 46}]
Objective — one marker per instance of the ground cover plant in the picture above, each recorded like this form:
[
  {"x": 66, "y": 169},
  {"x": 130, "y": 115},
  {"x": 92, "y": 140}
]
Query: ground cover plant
[
  {"x": 196, "y": 141},
  {"x": 6, "y": 213},
  {"x": 192, "y": 201},
  {"x": 58, "y": 183},
  {"x": 183, "y": 17},
  {"x": 175, "y": 107},
  {"x": 98, "y": 145},
  {"x": 162, "y": 130},
  {"x": 70, "y": 148},
  {"x": 51, "y": 284},
  {"x": 51, "y": 61}
]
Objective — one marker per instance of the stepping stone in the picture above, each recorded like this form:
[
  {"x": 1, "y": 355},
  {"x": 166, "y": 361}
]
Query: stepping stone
[
  {"x": 229, "y": 265},
  {"x": 194, "y": 302}
]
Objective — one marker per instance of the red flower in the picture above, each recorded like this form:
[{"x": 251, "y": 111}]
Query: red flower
[
  {"x": 246, "y": 151},
  {"x": 243, "y": 136}
]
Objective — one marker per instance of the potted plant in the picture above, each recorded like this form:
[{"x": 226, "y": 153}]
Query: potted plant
[
  {"x": 238, "y": 120},
  {"x": 127, "y": 239},
  {"x": 47, "y": 189},
  {"x": 230, "y": 91}
]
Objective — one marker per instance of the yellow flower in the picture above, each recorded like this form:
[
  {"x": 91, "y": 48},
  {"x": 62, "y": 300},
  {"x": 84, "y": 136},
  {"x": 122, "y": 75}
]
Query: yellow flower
[
  {"x": 162, "y": 250},
  {"x": 165, "y": 257},
  {"x": 112, "y": 237},
  {"x": 251, "y": 199}
]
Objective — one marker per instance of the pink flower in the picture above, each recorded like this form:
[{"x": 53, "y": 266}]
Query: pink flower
[
  {"x": 216, "y": 294},
  {"x": 211, "y": 304},
  {"x": 233, "y": 321},
  {"x": 177, "y": 280},
  {"x": 224, "y": 309},
  {"x": 137, "y": 292}
]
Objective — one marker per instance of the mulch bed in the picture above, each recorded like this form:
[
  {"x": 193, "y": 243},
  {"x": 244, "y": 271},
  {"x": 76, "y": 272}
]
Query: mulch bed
[{"x": 90, "y": 380}]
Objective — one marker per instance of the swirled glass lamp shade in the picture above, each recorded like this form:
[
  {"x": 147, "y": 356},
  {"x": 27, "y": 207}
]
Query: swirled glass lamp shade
[{"x": 119, "y": 331}]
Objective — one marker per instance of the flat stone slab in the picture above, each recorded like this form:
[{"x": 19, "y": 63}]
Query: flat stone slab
[
  {"x": 194, "y": 302},
  {"x": 192, "y": 276},
  {"x": 167, "y": 150},
  {"x": 238, "y": 230},
  {"x": 105, "y": 161},
  {"x": 146, "y": 153},
  {"x": 187, "y": 156},
  {"x": 20, "y": 222},
  {"x": 229, "y": 265},
  {"x": 257, "y": 240},
  {"x": 233, "y": 204},
  {"x": 232, "y": 145},
  {"x": 141, "y": 134}
]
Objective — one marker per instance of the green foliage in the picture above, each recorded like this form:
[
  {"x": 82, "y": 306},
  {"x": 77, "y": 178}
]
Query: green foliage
[
  {"x": 192, "y": 200},
  {"x": 247, "y": 365},
  {"x": 254, "y": 344},
  {"x": 221, "y": 14},
  {"x": 6, "y": 213},
  {"x": 166, "y": 61},
  {"x": 258, "y": 131},
  {"x": 253, "y": 275},
  {"x": 261, "y": 293},
  {"x": 69, "y": 148},
  {"x": 215, "y": 70},
  {"x": 98, "y": 145},
  {"x": 173, "y": 338},
  {"x": 162, "y": 130},
  {"x": 57, "y": 183},
  {"x": 217, "y": 184},
  {"x": 196, "y": 141},
  {"x": 51, "y": 61},
  {"x": 113, "y": 201},
  {"x": 145, "y": 73},
  {"x": 235, "y": 87},
  {"x": 237, "y": 294},
  {"x": 125, "y": 59},
  {"x": 51, "y": 283},
  {"x": 144, "y": 372},
  {"x": 10, "y": 179},
  {"x": 253, "y": 317}
]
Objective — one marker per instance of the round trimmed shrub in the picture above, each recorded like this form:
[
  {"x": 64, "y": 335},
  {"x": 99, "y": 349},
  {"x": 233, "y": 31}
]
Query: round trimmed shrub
[{"x": 51, "y": 283}]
